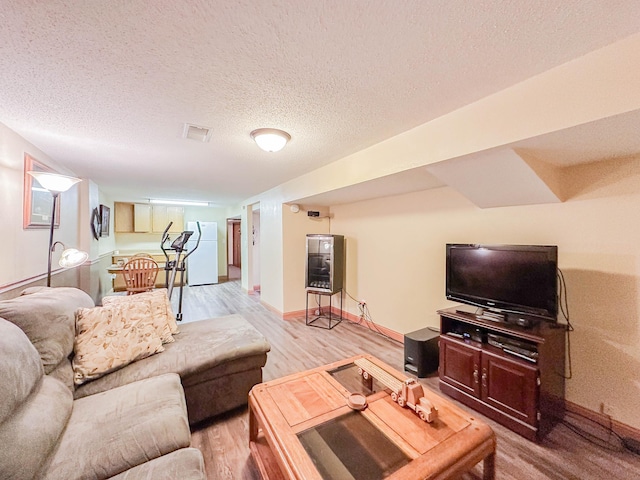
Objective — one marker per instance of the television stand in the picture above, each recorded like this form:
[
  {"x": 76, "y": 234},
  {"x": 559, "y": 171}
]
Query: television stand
[{"x": 510, "y": 373}]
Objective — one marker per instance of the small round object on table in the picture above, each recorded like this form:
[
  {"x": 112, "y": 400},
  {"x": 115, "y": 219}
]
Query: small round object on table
[{"x": 357, "y": 401}]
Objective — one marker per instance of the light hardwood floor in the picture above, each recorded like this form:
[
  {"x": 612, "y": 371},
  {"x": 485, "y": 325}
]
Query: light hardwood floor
[{"x": 294, "y": 346}]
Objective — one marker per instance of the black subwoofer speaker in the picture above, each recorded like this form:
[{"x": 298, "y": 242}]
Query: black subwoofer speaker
[{"x": 421, "y": 352}]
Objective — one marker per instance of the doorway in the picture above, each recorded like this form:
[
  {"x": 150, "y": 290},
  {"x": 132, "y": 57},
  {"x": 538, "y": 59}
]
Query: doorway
[
  {"x": 234, "y": 252},
  {"x": 254, "y": 271}
]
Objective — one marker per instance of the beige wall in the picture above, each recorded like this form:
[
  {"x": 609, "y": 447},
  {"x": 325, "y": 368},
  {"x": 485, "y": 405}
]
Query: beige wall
[
  {"x": 25, "y": 251},
  {"x": 96, "y": 281},
  {"x": 271, "y": 252},
  {"x": 296, "y": 226},
  {"x": 396, "y": 261},
  {"x": 592, "y": 87}
]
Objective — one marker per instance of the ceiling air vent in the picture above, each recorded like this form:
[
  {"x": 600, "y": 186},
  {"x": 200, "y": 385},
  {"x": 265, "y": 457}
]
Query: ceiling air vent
[{"x": 196, "y": 132}]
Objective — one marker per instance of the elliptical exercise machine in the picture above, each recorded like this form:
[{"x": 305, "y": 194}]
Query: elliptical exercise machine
[{"x": 178, "y": 264}]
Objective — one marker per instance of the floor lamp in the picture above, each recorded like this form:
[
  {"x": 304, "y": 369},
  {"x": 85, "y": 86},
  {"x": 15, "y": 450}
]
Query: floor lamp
[{"x": 56, "y": 184}]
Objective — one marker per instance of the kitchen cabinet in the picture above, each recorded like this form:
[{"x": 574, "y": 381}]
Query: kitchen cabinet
[
  {"x": 141, "y": 217},
  {"x": 145, "y": 218},
  {"x": 123, "y": 217},
  {"x": 163, "y": 214}
]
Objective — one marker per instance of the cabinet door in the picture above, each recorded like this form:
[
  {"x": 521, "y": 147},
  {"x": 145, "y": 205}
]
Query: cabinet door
[
  {"x": 159, "y": 218},
  {"x": 176, "y": 215},
  {"x": 163, "y": 214},
  {"x": 510, "y": 386},
  {"x": 123, "y": 215},
  {"x": 141, "y": 217},
  {"x": 460, "y": 365}
]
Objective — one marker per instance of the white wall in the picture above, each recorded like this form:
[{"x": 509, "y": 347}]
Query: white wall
[
  {"x": 255, "y": 240},
  {"x": 271, "y": 252}
]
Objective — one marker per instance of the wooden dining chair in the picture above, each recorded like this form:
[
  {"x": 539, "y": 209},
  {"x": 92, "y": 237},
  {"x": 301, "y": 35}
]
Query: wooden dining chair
[{"x": 140, "y": 274}]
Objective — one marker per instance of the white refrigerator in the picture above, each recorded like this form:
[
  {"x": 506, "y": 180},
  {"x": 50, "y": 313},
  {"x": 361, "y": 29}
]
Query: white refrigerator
[{"x": 202, "y": 264}]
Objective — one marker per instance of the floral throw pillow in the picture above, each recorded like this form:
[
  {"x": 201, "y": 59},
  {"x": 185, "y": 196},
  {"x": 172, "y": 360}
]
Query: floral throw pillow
[
  {"x": 110, "y": 337},
  {"x": 161, "y": 315}
]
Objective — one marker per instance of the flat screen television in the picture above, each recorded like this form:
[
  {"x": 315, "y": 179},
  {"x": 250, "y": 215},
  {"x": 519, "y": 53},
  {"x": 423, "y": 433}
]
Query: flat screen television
[{"x": 516, "y": 279}]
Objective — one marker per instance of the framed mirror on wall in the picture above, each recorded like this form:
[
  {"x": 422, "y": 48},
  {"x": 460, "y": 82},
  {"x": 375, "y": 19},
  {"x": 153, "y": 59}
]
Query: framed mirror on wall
[{"x": 38, "y": 201}]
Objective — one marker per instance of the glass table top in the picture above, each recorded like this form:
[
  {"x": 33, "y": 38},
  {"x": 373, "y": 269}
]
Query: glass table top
[
  {"x": 349, "y": 378},
  {"x": 351, "y": 447}
]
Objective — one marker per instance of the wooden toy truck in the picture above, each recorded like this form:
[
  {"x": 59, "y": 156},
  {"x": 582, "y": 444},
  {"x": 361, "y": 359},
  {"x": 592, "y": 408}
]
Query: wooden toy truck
[{"x": 407, "y": 393}]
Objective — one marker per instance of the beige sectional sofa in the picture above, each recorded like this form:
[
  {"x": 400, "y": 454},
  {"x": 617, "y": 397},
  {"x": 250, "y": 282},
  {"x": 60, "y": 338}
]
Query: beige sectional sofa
[{"x": 132, "y": 423}]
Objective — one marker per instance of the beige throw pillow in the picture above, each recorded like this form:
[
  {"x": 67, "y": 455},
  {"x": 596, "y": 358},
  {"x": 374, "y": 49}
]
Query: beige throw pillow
[
  {"x": 161, "y": 314},
  {"x": 110, "y": 337}
]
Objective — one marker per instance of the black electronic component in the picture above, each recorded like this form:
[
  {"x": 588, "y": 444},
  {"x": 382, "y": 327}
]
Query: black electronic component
[{"x": 421, "y": 352}]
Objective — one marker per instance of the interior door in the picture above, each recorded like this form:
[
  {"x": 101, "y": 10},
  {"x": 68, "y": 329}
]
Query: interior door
[{"x": 236, "y": 245}]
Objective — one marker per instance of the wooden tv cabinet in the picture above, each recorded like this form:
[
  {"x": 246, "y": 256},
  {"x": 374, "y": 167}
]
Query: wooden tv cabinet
[{"x": 523, "y": 393}]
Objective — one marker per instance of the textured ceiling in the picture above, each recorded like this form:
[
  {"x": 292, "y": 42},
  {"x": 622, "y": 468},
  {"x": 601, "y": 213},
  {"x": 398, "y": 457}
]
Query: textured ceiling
[{"x": 104, "y": 87}]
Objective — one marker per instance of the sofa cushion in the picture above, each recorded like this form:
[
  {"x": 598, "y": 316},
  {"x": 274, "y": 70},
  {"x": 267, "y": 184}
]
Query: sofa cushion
[
  {"x": 29, "y": 436},
  {"x": 203, "y": 350},
  {"x": 64, "y": 372},
  {"x": 34, "y": 409},
  {"x": 47, "y": 316},
  {"x": 107, "y": 338},
  {"x": 185, "y": 464},
  {"x": 113, "y": 431},
  {"x": 20, "y": 371},
  {"x": 161, "y": 317}
]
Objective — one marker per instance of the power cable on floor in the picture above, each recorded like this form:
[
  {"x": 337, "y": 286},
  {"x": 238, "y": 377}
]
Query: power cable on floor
[{"x": 366, "y": 320}]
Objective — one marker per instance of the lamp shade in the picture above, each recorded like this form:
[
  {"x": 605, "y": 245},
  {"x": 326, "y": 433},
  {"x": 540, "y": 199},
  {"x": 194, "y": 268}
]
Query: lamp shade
[
  {"x": 54, "y": 182},
  {"x": 72, "y": 257},
  {"x": 270, "y": 139}
]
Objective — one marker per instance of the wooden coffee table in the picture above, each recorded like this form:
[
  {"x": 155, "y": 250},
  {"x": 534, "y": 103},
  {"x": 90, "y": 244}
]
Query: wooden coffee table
[{"x": 301, "y": 427}]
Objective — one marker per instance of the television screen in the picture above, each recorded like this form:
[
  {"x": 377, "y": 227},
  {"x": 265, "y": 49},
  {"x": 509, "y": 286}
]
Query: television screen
[{"x": 518, "y": 279}]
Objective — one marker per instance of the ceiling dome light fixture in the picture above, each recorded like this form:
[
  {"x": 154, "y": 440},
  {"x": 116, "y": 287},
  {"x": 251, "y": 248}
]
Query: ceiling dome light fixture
[{"x": 270, "y": 139}]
